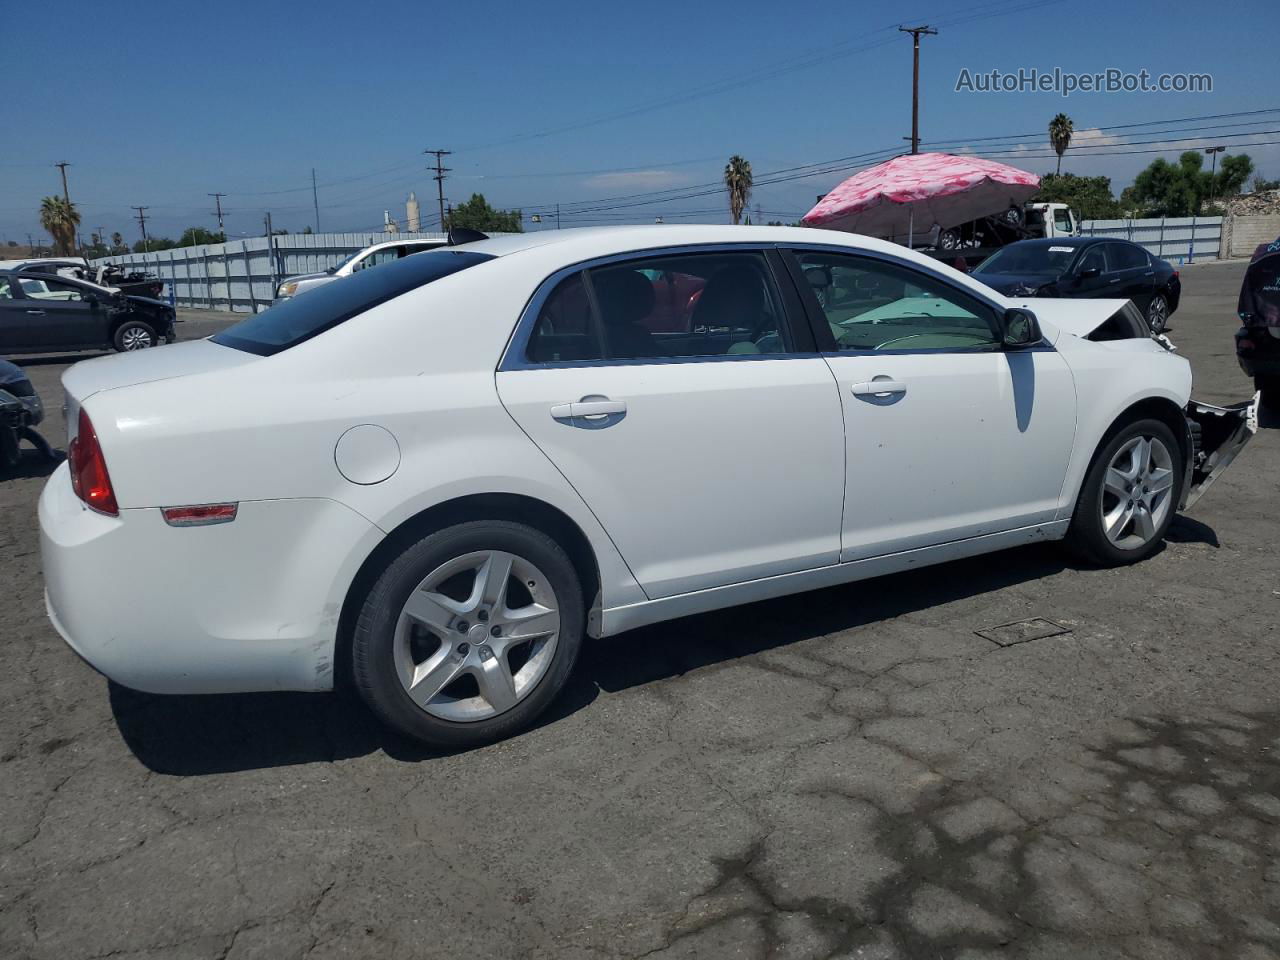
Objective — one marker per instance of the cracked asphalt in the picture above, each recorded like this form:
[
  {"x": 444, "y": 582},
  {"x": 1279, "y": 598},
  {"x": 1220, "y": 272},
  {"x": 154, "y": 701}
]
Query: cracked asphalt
[{"x": 846, "y": 773}]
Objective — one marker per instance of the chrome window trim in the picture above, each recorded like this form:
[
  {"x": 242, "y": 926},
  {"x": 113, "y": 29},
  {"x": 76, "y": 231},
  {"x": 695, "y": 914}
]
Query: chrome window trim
[{"x": 515, "y": 356}]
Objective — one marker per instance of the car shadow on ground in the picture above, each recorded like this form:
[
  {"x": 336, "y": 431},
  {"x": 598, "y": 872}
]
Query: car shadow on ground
[
  {"x": 198, "y": 735},
  {"x": 32, "y": 465}
]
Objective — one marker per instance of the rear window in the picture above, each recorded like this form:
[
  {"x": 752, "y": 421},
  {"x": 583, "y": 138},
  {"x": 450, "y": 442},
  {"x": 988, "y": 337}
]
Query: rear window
[{"x": 289, "y": 323}]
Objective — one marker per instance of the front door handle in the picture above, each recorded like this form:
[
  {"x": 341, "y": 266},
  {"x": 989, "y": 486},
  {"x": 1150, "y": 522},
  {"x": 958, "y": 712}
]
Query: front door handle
[
  {"x": 35, "y": 313},
  {"x": 879, "y": 388},
  {"x": 594, "y": 408}
]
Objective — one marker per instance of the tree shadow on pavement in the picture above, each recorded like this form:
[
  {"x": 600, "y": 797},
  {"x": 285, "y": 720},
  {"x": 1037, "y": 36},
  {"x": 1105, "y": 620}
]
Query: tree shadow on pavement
[{"x": 196, "y": 735}]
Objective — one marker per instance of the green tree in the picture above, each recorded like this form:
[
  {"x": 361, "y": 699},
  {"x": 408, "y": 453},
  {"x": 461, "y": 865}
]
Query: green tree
[
  {"x": 1060, "y": 130},
  {"x": 60, "y": 219},
  {"x": 1091, "y": 197},
  {"x": 153, "y": 244},
  {"x": 196, "y": 236},
  {"x": 1181, "y": 189},
  {"x": 737, "y": 180},
  {"x": 477, "y": 214}
]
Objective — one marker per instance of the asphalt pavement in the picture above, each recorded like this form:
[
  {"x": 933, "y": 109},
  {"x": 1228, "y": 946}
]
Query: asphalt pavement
[{"x": 847, "y": 773}]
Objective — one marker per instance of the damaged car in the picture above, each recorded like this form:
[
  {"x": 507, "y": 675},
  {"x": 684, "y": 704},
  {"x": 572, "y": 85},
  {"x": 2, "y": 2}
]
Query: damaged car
[
  {"x": 432, "y": 480},
  {"x": 47, "y": 313},
  {"x": 1258, "y": 339}
]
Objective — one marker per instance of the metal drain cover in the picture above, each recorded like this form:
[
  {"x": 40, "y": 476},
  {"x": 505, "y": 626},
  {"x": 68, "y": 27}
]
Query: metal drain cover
[{"x": 1022, "y": 631}]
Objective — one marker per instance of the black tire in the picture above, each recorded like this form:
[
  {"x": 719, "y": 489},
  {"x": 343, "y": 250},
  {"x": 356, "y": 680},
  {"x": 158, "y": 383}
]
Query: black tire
[
  {"x": 1086, "y": 538},
  {"x": 134, "y": 335},
  {"x": 373, "y": 639},
  {"x": 1270, "y": 388},
  {"x": 1158, "y": 313},
  {"x": 1012, "y": 217},
  {"x": 948, "y": 239}
]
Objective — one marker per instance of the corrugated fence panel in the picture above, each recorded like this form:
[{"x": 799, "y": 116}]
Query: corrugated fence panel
[
  {"x": 242, "y": 275},
  {"x": 1179, "y": 239}
]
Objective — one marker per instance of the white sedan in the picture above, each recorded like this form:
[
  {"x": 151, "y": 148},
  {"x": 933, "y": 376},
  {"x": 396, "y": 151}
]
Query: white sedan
[{"x": 434, "y": 478}]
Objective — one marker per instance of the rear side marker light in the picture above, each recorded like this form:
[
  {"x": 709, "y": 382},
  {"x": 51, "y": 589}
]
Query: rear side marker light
[{"x": 203, "y": 515}]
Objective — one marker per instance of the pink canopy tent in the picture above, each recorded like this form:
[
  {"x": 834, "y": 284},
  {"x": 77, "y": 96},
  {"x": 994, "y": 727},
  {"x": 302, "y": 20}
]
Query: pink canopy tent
[{"x": 918, "y": 191}]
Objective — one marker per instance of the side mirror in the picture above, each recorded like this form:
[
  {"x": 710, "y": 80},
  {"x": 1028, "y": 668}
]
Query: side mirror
[
  {"x": 91, "y": 299},
  {"x": 1089, "y": 273},
  {"x": 1019, "y": 328}
]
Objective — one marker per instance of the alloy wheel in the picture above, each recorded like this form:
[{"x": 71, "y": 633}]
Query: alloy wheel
[
  {"x": 476, "y": 636},
  {"x": 1137, "y": 492},
  {"x": 135, "y": 338},
  {"x": 1158, "y": 314}
]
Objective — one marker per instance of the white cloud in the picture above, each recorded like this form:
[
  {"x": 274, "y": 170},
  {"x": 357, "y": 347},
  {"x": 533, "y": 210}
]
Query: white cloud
[
  {"x": 1093, "y": 137},
  {"x": 636, "y": 179}
]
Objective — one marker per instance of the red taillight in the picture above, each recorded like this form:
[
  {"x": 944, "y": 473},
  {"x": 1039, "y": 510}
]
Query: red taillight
[
  {"x": 201, "y": 515},
  {"x": 89, "y": 477}
]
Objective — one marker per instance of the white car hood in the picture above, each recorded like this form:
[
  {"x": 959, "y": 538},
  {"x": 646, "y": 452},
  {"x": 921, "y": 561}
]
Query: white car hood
[
  {"x": 1076, "y": 317},
  {"x": 144, "y": 366}
]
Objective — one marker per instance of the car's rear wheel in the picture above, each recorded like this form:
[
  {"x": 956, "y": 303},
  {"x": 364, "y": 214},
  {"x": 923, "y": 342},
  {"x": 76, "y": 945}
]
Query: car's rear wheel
[
  {"x": 469, "y": 634},
  {"x": 1129, "y": 496},
  {"x": 134, "y": 335},
  {"x": 1158, "y": 313}
]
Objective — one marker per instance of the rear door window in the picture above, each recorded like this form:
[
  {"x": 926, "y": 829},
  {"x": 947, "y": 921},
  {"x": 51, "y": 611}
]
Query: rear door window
[{"x": 294, "y": 321}]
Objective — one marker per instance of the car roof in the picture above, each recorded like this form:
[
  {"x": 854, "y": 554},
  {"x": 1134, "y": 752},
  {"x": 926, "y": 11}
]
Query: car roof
[{"x": 395, "y": 242}]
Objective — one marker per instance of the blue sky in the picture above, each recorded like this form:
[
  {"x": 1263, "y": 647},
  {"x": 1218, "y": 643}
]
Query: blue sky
[{"x": 571, "y": 102}]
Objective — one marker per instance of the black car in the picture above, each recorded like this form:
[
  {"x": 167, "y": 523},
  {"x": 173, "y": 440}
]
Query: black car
[
  {"x": 46, "y": 313},
  {"x": 1258, "y": 339},
  {"x": 1079, "y": 267}
]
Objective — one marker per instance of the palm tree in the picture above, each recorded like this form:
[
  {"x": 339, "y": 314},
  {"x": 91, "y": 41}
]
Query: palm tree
[
  {"x": 1060, "y": 130},
  {"x": 60, "y": 218},
  {"x": 117, "y": 243},
  {"x": 737, "y": 178}
]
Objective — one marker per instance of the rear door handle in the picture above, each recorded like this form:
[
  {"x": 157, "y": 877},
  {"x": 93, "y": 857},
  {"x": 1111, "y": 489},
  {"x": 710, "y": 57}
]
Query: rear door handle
[
  {"x": 36, "y": 313},
  {"x": 879, "y": 388},
  {"x": 589, "y": 408}
]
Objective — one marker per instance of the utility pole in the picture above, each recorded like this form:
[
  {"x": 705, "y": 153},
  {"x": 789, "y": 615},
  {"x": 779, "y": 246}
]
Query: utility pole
[
  {"x": 315, "y": 198},
  {"x": 142, "y": 222},
  {"x": 557, "y": 216},
  {"x": 217, "y": 202},
  {"x": 62, "y": 167},
  {"x": 271, "y": 249},
  {"x": 1213, "y": 152},
  {"x": 31, "y": 246},
  {"x": 439, "y": 179},
  {"x": 915, "y": 80}
]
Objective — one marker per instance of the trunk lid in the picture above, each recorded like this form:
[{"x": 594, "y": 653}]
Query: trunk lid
[{"x": 144, "y": 366}]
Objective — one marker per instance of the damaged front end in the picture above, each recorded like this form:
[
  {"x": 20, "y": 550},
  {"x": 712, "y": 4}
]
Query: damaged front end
[{"x": 1214, "y": 436}]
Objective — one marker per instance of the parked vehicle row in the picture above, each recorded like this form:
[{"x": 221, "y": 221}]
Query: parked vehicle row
[{"x": 436, "y": 477}]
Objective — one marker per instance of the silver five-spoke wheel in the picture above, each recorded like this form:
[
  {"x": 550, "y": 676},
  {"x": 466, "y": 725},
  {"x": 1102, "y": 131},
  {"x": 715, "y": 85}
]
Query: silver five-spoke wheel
[
  {"x": 476, "y": 635},
  {"x": 1137, "y": 492}
]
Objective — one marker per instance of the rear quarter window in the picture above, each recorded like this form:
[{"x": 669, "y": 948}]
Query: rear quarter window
[{"x": 297, "y": 320}]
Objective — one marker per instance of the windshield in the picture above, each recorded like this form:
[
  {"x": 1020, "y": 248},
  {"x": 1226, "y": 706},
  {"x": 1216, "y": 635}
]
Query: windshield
[
  {"x": 1040, "y": 260},
  {"x": 293, "y": 321},
  {"x": 343, "y": 262}
]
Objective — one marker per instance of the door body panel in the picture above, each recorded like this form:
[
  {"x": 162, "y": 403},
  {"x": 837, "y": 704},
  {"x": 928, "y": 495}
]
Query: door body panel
[
  {"x": 713, "y": 472},
  {"x": 975, "y": 443}
]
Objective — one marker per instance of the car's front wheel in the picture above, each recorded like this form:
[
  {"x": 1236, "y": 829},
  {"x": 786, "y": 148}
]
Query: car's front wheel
[
  {"x": 469, "y": 634},
  {"x": 1158, "y": 313},
  {"x": 134, "y": 335},
  {"x": 1129, "y": 496}
]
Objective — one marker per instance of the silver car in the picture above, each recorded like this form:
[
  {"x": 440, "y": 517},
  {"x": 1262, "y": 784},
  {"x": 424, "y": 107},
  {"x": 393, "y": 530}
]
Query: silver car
[{"x": 370, "y": 256}]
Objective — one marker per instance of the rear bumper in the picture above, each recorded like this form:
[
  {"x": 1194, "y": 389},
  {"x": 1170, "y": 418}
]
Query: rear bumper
[{"x": 246, "y": 606}]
